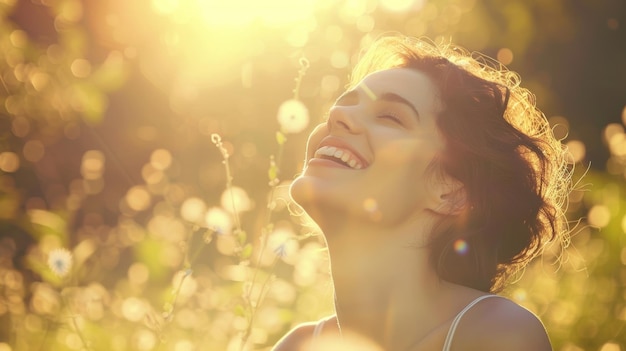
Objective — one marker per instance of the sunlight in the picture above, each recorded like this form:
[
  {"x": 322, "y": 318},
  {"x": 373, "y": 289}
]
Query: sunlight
[
  {"x": 126, "y": 228},
  {"x": 402, "y": 5},
  {"x": 236, "y": 13},
  {"x": 244, "y": 12}
]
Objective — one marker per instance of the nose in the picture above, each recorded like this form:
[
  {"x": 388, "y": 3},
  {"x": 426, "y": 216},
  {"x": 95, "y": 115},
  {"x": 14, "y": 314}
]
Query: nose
[{"x": 345, "y": 118}]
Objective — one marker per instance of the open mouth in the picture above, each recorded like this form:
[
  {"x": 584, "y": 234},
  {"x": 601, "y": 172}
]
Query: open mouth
[{"x": 339, "y": 155}]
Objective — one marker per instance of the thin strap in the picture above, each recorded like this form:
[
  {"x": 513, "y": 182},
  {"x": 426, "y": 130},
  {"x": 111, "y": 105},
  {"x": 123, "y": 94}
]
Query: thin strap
[
  {"x": 318, "y": 328},
  {"x": 457, "y": 319},
  {"x": 317, "y": 332}
]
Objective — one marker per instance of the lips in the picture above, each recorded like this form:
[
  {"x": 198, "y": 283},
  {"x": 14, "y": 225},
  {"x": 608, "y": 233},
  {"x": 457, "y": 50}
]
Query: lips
[{"x": 338, "y": 151}]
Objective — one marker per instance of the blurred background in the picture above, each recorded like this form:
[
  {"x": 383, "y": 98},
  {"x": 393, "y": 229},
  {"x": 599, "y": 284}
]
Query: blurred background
[{"x": 129, "y": 128}]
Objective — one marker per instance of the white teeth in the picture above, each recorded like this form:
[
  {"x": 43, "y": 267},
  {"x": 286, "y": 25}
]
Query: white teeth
[{"x": 344, "y": 155}]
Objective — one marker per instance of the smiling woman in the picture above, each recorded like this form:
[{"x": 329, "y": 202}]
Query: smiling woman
[{"x": 468, "y": 183}]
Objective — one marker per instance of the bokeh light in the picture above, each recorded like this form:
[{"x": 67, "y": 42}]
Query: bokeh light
[
  {"x": 20, "y": 126},
  {"x": 81, "y": 68},
  {"x": 9, "y": 162},
  {"x": 92, "y": 166},
  {"x": 184, "y": 345},
  {"x": 236, "y": 200},
  {"x": 599, "y": 216},
  {"x": 138, "y": 198},
  {"x": 134, "y": 309},
  {"x": 505, "y": 55},
  {"x": 138, "y": 273},
  {"x": 161, "y": 159},
  {"x": 34, "y": 150},
  {"x": 193, "y": 210},
  {"x": 144, "y": 340},
  {"x": 577, "y": 150}
]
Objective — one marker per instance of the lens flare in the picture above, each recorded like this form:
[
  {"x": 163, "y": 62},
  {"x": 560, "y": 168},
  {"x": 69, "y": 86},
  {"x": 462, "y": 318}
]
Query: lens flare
[
  {"x": 371, "y": 206},
  {"x": 461, "y": 247}
]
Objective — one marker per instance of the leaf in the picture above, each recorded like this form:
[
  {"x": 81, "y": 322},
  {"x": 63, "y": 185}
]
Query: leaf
[
  {"x": 242, "y": 236},
  {"x": 89, "y": 101},
  {"x": 272, "y": 172},
  {"x": 246, "y": 252},
  {"x": 240, "y": 311},
  {"x": 112, "y": 74},
  {"x": 280, "y": 138}
]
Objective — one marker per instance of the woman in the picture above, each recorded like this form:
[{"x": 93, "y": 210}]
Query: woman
[{"x": 433, "y": 179}]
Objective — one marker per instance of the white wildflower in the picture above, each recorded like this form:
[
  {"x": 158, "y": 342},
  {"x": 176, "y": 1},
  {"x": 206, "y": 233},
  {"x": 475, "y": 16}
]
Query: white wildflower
[
  {"x": 60, "y": 261},
  {"x": 284, "y": 244},
  {"x": 219, "y": 221}
]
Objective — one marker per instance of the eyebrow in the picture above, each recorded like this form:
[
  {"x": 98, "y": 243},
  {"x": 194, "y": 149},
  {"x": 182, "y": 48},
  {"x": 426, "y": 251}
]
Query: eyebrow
[{"x": 390, "y": 97}]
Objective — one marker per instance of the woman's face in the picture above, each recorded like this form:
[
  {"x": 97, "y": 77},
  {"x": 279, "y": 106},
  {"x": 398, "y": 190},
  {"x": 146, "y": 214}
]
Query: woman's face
[{"x": 370, "y": 159}]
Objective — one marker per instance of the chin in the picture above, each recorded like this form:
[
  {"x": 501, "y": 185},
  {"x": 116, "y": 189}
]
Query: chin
[
  {"x": 325, "y": 203},
  {"x": 316, "y": 197},
  {"x": 303, "y": 192}
]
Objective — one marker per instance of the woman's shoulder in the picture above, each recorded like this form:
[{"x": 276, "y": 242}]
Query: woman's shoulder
[
  {"x": 298, "y": 337},
  {"x": 509, "y": 327}
]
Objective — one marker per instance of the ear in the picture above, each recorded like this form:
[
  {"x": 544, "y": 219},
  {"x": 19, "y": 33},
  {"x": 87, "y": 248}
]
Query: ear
[{"x": 449, "y": 197}]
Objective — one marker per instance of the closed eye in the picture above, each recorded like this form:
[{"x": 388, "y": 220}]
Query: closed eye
[{"x": 391, "y": 117}]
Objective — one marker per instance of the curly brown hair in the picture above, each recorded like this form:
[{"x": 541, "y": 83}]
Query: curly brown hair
[{"x": 500, "y": 147}]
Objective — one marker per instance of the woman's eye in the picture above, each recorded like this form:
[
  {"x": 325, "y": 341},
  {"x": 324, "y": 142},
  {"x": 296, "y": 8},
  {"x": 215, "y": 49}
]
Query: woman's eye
[{"x": 391, "y": 117}]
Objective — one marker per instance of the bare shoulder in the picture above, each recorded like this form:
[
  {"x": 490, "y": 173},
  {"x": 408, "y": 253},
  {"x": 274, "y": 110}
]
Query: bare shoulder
[
  {"x": 501, "y": 324},
  {"x": 298, "y": 337}
]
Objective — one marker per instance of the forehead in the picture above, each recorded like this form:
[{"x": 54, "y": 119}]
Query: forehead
[{"x": 411, "y": 84}]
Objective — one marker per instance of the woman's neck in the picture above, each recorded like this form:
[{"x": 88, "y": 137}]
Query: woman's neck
[{"x": 384, "y": 285}]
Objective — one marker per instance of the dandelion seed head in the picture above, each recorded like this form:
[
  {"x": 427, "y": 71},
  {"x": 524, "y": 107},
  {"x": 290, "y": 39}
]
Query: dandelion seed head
[
  {"x": 219, "y": 221},
  {"x": 60, "y": 261},
  {"x": 293, "y": 116},
  {"x": 281, "y": 250}
]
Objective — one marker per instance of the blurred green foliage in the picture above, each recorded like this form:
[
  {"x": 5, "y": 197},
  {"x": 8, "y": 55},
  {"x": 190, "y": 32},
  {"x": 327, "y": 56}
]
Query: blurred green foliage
[{"x": 106, "y": 148}]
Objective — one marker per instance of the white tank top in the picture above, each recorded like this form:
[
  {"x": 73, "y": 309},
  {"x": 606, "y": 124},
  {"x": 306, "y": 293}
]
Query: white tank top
[{"x": 455, "y": 323}]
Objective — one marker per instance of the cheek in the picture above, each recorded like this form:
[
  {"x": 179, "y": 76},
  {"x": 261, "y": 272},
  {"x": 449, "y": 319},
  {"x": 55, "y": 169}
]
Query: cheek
[
  {"x": 407, "y": 168},
  {"x": 316, "y": 136},
  {"x": 411, "y": 155}
]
